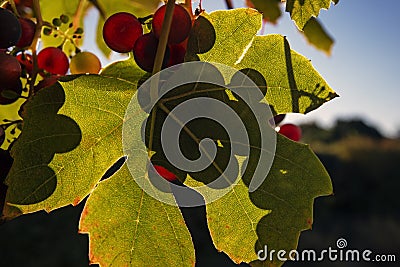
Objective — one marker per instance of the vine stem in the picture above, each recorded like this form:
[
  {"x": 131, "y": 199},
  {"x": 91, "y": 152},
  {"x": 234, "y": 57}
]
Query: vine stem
[
  {"x": 162, "y": 43},
  {"x": 162, "y": 47},
  {"x": 229, "y": 4},
  {"x": 188, "y": 5},
  {"x": 39, "y": 25},
  {"x": 14, "y": 7}
]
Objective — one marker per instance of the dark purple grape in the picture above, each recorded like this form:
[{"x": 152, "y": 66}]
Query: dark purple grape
[
  {"x": 180, "y": 26},
  {"x": 28, "y": 32},
  {"x": 2, "y": 135},
  {"x": 10, "y": 71},
  {"x": 177, "y": 54},
  {"x": 121, "y": 31},
  {"x": 145, "y": 51},
  {"x": 10, "y": 29},
  {"x": 277, "y": 119}
]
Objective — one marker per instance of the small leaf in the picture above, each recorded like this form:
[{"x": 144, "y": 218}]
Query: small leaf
[
  {"x": 270, "y": 9},
  {"x": 302, "y": 10},
  {"x": 317, "y": 35}
]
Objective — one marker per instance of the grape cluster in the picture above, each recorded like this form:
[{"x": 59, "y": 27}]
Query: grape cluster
[
  {"x": 123, "y": 32},
  {"x": 17, "y": 68},
  {"x": 25, "y": 69}
]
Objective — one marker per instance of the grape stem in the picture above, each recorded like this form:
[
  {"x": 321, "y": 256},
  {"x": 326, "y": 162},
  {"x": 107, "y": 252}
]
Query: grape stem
[
  {"x": 188, "y": 5},
  {"x": 78, "y": 14},
  {"x": 14, "y": 7},
  {"x": 162, "y": 44},
  {"x": 229, "y": 4},
  {"x": 39, "y": 25}
]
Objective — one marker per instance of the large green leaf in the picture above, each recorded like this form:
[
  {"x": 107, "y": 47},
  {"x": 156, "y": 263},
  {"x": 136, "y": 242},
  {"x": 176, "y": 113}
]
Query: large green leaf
[
  {"x": 127, "y": 227},
  {"x": 275, "y": 213},
  {"x": 302, "y": 10},
  {"x": 281, "y": 208},
  {"x": 71, "y": 136}
]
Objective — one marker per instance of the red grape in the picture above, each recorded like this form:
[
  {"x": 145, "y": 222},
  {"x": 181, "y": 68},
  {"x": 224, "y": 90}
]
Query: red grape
[
  {"x": 166, "y": 174},
  {"x": 28, "y": 32},
  {"x": 121, "y": 31},
  {"x": 10, "y": 71},
  {"x": 180, "y": 26},
  {"x": 145, "y": 52},
  {"x": 26, "y": 62},
  {"x": 53, "y": 60},
  {"x": 177, "y": 54},
  {"x": 27, "y": 3},
  {"x": 291, "y": 131},
  {"x": 10, "y": 29}
]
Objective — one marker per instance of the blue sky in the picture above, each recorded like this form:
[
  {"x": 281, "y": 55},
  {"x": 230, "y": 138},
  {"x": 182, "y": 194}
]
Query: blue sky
[{"x": 363, "y": 65}]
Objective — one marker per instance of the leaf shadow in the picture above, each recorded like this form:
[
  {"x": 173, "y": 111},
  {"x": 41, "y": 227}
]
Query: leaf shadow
[{"x": 45, "y": 134}]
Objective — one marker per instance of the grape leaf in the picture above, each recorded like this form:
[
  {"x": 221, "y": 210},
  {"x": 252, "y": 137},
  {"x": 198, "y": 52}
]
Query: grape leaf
[
  {"x": 302, "y": 10},
  {"x": 293, "y": 84},
  {"x": 281, "y": 208},
  {"x": 71, "y": 136},
  {"x": 275, "y": 213},
  {"x": 140, "y": 230},
  {"x": 317, "y": 35},
  {"x": 270, "y": 9}
]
